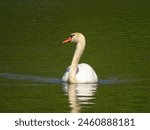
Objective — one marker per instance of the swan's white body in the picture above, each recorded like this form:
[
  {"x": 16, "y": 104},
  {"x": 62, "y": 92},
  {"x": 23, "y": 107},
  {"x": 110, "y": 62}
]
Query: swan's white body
[
  {"x": 84, "y": 74},
  {"x": 79, "y": 73}
]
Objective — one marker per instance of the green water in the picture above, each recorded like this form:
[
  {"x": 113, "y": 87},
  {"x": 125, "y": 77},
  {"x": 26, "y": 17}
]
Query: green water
[{"x": 33, "y": 60}]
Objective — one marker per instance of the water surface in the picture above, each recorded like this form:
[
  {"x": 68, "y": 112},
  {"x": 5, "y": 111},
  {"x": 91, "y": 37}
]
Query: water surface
[{"x": 33, "y": 60}]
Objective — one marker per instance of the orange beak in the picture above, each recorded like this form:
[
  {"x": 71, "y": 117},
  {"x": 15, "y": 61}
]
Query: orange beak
[{"x": 67, "y": 40}]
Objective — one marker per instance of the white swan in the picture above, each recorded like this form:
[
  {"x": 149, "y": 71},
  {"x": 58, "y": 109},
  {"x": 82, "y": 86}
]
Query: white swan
[{"x": 79, "y": 73}]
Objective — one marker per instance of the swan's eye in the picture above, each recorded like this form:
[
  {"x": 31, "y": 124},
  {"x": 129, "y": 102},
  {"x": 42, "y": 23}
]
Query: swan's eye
[{"x": 72, "y": 35}]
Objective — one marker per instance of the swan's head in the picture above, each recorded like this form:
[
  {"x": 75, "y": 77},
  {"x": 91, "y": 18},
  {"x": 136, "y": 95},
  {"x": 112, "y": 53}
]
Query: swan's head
[{"x": 74, "y": 37}]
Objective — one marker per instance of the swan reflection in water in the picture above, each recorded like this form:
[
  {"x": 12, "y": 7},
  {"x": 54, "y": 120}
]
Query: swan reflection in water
[{"x": 80, "y": 95}]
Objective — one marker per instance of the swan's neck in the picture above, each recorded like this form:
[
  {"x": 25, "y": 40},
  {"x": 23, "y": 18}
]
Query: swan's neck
[{"x": 76, "y": 58}]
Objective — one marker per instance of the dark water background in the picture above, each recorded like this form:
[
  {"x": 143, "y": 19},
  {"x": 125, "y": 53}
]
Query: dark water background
[{"x": 33, "y": 60}]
